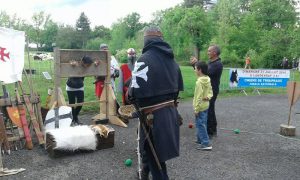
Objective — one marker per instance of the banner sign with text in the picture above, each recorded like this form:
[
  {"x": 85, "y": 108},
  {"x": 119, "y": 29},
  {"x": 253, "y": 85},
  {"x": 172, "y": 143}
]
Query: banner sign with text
[{"x": 268, "y": 78}]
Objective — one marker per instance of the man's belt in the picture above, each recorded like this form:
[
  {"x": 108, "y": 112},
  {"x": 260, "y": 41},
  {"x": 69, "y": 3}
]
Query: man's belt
[{"x": 149, "y": 109}]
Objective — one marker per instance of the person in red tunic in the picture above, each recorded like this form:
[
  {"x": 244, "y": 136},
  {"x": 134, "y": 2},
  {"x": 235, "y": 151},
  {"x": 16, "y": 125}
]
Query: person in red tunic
[
  {"x": 125, "y": 73},
  {"x": 114, "y": 71}
]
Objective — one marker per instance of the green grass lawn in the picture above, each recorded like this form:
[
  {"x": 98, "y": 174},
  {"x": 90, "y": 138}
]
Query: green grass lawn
[{"x": 41, "y": 85}]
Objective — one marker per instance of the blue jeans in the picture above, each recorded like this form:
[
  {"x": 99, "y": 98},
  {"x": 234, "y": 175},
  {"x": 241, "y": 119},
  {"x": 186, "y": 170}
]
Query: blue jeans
[{"x": 201, "y": 124}]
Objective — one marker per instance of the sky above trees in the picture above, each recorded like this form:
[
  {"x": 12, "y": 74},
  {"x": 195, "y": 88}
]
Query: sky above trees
[{"x": 100, "y": 12}]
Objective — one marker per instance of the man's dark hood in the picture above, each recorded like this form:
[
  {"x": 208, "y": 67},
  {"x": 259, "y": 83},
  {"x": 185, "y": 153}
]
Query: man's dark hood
[
  {"x": 156, "y": 73},
  {"x": 158, "y": 44}
]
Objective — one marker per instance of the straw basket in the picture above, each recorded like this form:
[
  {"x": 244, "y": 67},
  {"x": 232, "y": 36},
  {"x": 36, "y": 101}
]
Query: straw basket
[{"x": 126, "y": 111}]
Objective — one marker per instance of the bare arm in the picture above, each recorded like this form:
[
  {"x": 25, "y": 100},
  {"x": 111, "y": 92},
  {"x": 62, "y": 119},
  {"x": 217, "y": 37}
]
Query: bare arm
[{"x": 193, "y": 61}]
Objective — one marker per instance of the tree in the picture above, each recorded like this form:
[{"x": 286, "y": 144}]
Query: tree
[
  {"x": 196, "y": 24},
  {"x": 228, "y": 15},
  {"x": 66, "y": 38},
  {"x": 191, "y": 3},
  {"x": 83, "y": 29},
  {"x": 244, "y": 37},
  {"x": 173, "y": 34},
  {"x": 275, "y": 44},
  {"x": 11, "y": 22},
  {"x": 245, "y": 5},
  {"x": 132, "y": 24},
  {"x": 17, "y": 23},
  {"x": 49, "y": 35},
  {"x": 274, "y": 13},
  {"x": 4, "y": 19},
  {"x": 39, "y": 20},
  {"x": 295, "y": 43},
  {"x": 125, "y": 30},
  {"x": 101, "y": 32},
  {"x": 118, "y": 36},
  {"x": 187, "y": 30},
  {"x": 200, "y": 3},
  {"x": 158, "y": 17},
  {"x": 276, "y": 20}
]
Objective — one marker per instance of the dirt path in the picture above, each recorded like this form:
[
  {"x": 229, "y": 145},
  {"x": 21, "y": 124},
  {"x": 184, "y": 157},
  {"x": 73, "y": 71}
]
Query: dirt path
[{"x": 258, "y": 152}]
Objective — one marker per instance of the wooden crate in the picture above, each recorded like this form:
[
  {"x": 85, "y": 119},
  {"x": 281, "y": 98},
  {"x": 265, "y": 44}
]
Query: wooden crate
[{"x": 104, "y": 143}]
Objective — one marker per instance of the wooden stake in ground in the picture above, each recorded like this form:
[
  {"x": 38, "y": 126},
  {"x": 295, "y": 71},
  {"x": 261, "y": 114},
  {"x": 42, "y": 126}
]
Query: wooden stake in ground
[
  {"x": 293, "y": 90},
  {"x": 3, "y": 136},
  {"x": 13, "y": 119},
  {"x": 36, "y": 107},
  {"x": 22, "y": 115},
  {"x": 108, "y": 108},
  {"x": 32, "y": 116}
]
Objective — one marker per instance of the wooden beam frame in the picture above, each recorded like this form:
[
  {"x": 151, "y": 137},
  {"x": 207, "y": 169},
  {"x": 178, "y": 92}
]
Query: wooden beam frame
[{"x": 68, "y": 64}]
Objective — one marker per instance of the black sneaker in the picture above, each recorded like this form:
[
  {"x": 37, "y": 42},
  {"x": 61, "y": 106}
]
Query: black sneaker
[
  {"x": 145, "y": 174},
  {"x": 215, "y": 133},
  {"x": 212, "y": 135},
  {"x": 197, "y": 142},
  {"x": 77, "y": 123},
  {"x": 204, "y": 147}
]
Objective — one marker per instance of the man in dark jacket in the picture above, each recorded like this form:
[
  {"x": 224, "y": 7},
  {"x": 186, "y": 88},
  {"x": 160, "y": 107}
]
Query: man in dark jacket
[
  {"x": 215, "y": 68},
  {"x": 156, "y": 82}
]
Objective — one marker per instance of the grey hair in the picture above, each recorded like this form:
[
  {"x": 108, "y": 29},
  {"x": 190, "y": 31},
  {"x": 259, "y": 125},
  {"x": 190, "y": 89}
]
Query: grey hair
[
  {"x": 102, "y": 46},
  {"x": 217, "y": 49},
  {"x": 152, "y": 30}
]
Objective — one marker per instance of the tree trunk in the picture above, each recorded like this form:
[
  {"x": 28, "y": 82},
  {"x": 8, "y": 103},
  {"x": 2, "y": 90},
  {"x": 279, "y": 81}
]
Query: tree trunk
[{"x": 196, "y": 52}]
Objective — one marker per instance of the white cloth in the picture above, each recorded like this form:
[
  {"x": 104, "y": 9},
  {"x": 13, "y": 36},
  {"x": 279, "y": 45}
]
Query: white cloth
[
  {"x": 12, "y": 45},
  {"x": 114, "y": 65},
  {"x": 68, "y": 88}
]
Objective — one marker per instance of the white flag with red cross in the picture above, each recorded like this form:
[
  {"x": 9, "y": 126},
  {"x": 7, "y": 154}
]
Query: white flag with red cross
[{"x": 12, "y": 45}]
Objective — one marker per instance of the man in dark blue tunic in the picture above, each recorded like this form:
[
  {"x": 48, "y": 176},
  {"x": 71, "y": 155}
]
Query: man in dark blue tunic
[{"x": 156, "y": 82}]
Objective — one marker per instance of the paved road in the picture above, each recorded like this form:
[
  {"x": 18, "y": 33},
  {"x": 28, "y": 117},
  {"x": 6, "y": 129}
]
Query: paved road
[{"x": 258, "y": 152}]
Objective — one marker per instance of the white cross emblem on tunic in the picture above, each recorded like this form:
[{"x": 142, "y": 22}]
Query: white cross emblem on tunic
[{"x": 141, "y": 73}]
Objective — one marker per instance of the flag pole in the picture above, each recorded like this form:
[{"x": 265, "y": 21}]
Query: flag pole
[
  {"x": 292, "y": 103},
  {"x": 36, "y": 106},
  {"x": 30, "y": 71}
]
